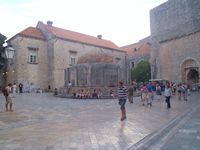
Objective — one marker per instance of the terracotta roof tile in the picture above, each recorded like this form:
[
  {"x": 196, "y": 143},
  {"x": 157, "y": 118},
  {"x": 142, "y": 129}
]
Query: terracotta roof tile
[
  {"x": 140, "y": 48},
  {"x": 66, "y": 34},
  {"x": 31, "y": 31}
]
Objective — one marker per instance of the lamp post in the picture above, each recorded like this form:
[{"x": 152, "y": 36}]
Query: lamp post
[
  {"x": 10, "y": 52},
  {"x": 9, "y": 55}
]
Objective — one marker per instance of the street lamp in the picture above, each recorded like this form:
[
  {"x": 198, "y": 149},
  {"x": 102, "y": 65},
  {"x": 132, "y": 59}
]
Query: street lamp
[{"x": 9, "y": 51}]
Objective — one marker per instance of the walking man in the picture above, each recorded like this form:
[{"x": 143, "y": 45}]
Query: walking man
[
  {"x": 150, "y": 94},
  {"x": 122, "y": 95}
]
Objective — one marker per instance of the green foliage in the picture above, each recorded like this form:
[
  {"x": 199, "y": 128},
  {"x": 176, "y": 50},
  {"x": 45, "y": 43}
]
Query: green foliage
[
  {"x": 142, "y": 72},
  {"x": 2, "y": 50}
]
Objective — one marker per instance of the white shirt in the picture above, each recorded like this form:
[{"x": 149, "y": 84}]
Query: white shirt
[
  {"x": 69, "y": 84},
  {"x": 184, "y": 87},
  {"x": 168, "y": 92},
  {"x": 14, "y": 87}
]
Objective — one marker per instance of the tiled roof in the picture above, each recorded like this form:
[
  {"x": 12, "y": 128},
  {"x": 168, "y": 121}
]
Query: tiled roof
[
  {"x": 34, "y": 32},
  {"x": 75, "y": 36},
  {"x": 140, "y": 48}
]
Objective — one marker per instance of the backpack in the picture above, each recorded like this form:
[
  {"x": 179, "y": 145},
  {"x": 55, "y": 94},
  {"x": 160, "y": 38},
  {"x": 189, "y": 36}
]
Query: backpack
[{"x": 5, "y": 92}]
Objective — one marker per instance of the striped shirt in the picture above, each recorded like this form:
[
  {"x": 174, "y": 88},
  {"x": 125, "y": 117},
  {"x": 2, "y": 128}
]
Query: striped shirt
[{"x": 122, "y": 92}]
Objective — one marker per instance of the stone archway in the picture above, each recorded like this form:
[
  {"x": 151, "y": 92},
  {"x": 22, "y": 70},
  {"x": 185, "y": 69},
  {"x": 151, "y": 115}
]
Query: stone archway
[
  {"x": 190, "y": 70},
  {"x": 193, "y": 76}
]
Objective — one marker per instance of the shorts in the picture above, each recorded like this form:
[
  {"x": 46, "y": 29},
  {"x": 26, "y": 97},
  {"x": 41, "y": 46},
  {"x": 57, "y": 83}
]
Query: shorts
[
  {"x": 122, "y": 103},
  {"x": 111, "y": 94},
  {"x": 144, "y": 95},
  {"x": 135, "y": 88},
  {"x": 149, "y": 96},
  {"x": 8, "y": 99}
]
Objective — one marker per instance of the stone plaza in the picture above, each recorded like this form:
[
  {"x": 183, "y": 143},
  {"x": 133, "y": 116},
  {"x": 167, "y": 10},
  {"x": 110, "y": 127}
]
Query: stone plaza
[{"x": 42, "y": 121}]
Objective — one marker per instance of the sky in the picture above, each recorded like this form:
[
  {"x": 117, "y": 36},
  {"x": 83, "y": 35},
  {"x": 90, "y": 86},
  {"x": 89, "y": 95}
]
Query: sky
[{"x": 123, "y": 22}]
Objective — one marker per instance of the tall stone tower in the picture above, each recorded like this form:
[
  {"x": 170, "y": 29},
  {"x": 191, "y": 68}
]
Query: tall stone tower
[{"x": 173, "y": 21}]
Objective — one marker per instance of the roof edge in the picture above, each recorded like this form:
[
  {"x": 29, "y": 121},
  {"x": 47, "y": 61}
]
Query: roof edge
[{"x": 90, "y": 44}]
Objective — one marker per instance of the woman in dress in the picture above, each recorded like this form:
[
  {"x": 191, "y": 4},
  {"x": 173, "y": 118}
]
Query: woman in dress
[
  {"x": 168, "y": 95},
  {"x": 14, "y": 87}
]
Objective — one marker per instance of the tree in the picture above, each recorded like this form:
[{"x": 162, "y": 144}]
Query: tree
[
  {"x": 142, "y": 72},
  {"x": 2, "y": 50}
]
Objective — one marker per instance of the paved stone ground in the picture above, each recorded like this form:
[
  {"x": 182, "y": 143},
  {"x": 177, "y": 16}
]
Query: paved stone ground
[
  {"x": 42, "y": 121},
  {"x": 188, "y": 137}
]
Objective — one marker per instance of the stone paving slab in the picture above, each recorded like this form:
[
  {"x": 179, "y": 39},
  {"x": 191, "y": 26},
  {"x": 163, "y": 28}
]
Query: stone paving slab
[
  {"x": 42, "y": 121},
  {"x": 188, "y": 136}
]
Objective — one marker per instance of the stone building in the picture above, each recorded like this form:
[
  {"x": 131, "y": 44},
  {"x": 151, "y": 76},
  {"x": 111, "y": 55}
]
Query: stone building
[
  {"x": 44, "y": 53},
  {"x": 95, "y": 70},
  {"x": 135, "y": 54},
  {"x": 174, "y": 40}
]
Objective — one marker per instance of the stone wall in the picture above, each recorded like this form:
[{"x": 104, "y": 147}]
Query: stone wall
[
  {"x": 170, "y": 20},
  {"x": 24, "y": 71},
  {"x": 174, "y": 54}
]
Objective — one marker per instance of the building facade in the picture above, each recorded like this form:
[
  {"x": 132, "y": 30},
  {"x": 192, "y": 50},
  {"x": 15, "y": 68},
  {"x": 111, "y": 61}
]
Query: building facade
[
  {"x": 175, "y": 46},
  {"x": 45, "y": 52}
]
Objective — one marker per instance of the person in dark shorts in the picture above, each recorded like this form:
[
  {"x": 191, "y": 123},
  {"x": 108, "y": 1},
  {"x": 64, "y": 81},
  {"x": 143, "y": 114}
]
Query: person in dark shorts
[
  {"x": 74, "y": 93},
  {"x": 122, "y": 95}
]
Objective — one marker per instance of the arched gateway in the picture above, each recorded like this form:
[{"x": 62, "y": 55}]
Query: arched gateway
[{"x": 190, "y": 70}]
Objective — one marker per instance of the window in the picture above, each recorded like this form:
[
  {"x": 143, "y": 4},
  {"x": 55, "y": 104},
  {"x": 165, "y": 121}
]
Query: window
[
  {"x": 73, "y": 59},
  {"x": 33, "y": 56},
  {"x": 135, "y": 49},
  {"x": 132, "y": 64}
]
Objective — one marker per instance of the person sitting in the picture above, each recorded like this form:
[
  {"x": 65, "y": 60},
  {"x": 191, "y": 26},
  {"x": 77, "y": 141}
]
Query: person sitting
[
  {"x": 74, "y": 93},
  {"x": 94, "y": 94},
  {"x": 78, "y": 94},
  {"x": 100, "y": 94},
  {"x": 112, "y": 93},
  {"x": 82, "y": 94},
  {"x": 68, "y": 86},
  {"x": 55, "y": 92},
  {"x": 87, "y": 94}
]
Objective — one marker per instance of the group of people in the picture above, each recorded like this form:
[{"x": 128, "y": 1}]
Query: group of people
[{"x": 81, "y": 94}]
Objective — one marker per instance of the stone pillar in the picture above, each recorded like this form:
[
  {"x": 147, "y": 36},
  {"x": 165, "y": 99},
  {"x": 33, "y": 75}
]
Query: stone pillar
[{"x": 89, "y": 77}]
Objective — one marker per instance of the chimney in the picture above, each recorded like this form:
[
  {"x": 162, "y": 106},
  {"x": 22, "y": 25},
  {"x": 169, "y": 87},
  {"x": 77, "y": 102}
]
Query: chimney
[
  {"x": 99, "y": 36},
  {"x": 49, "y": 23}
]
